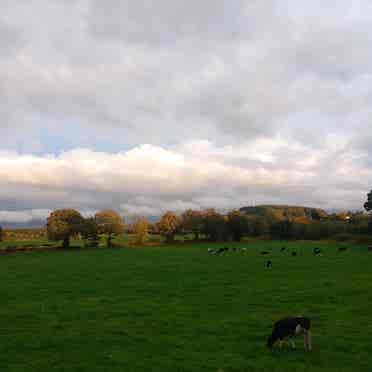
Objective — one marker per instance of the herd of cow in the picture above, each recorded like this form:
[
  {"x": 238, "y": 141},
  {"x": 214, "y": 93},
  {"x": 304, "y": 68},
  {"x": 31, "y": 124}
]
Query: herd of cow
[
  {"x": 316, "y": 251},
  {"x": 287, "y": 328},
  {"x": 220, "y": 251}
]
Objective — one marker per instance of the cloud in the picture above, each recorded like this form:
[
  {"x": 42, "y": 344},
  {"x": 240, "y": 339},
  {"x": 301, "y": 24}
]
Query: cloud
[
  {"x": 269, "y": 100},
  {"x": 150, "y": 180},
  {"x": 23, "y": 216},
  {"x": 166, "y": 22},
  {"x": 139, "y": 73}
]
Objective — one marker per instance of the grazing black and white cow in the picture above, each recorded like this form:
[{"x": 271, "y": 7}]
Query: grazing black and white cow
[
  {"x": 216, "y": 251},
  {"x": 294, "y": 253},
  {"x": 283, "y": 249},
  {"x": 221, "y": 250},
  {"x": 265, "y": 252},
  {"x": 269, "y": 264},
  {"x": 342, "y": 249},
  {"x": 317, "y": 251},
  {"x": 287, "y": 329}
]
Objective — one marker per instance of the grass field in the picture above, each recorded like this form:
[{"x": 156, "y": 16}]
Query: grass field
[{"x": 180, "y": 309}]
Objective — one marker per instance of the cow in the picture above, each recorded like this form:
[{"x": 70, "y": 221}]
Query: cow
[
  {"x": 317, "y": 251},
  {"x": 287, "y": 329},
  {"x": 269, "y": 264}
]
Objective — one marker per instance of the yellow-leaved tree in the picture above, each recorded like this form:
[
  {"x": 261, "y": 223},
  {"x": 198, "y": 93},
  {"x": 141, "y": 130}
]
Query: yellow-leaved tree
[
  {"x": 141, "y": 229},
  {"x": 62, "y": 224},
  {"x": 169, "y": 225},
  {"x": 109, "y": 222}
]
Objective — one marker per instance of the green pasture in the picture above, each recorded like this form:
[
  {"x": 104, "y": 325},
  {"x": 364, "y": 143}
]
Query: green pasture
[{"x": 178, "y": 308}]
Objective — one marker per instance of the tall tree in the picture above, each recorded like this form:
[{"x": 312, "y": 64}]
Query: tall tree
[
  {"x": 237, "y": 224},
  {"x": 1, "y": 234},
  {"x": 192, "y": 221},
  {"x": 368, "y": 203},
  {"x": 141, "y": 229},
  {"x": 260, "y": 226},
  {"x": 110, "y": 223},
  {"x": 169, "y": 225},
  {"x": 368, "y": 208},
  {"x": 62, "y": 224},
  {"x": 282, "y": 229},
  {"x": 214, "y": 225},
  {"x": 90, "y": 232}
]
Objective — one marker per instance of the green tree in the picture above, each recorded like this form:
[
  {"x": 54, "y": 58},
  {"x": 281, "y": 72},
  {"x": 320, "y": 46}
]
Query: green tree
[
  {"x": 90, "y": 232},
  {"x": 110, "y": 223},
  {"x": 237, "y": 224},
  {"x": 62, "y": 224},
  {"x": 368, "y": 208},
  {"x": 260, "y": 226},
  {"x": 368, "y": 203},
  {"x": 282, "y": 229},
  {"x": 214, "y": 225},
  {"x": 192, "y": 221},
  {"x": 169, "y": 226}
]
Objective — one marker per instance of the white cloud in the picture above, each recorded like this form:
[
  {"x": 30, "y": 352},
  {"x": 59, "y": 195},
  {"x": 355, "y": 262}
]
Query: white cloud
[
  {"x": 138, "y": 73},
  {"x": 23, "y": 216},
  {"x": 149, "y": 179},
  {"x": 279, "y": 92}
]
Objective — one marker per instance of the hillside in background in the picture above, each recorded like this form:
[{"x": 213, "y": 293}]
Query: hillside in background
[{"x": 285, "y": 212}]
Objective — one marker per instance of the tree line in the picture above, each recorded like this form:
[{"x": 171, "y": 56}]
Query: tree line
[{"x": 209, "y": 224}]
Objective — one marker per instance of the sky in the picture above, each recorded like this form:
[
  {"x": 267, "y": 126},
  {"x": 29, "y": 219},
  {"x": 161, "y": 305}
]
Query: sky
[{"x": 147, "y": 106}]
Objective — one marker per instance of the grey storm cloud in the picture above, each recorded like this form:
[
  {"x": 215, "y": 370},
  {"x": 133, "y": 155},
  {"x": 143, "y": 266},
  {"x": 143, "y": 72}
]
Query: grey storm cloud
[{"x": 275, "y": 91}]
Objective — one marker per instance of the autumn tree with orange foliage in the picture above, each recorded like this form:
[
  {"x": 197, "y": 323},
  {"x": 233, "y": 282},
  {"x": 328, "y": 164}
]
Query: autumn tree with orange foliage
[
  {"x": 62, "y": 224},
  {"x": 141, "y": 229},
  {"x": 110, "y": 223},
  {"x": 302, "y": 220},
  {"x": 169, "y": 225}
]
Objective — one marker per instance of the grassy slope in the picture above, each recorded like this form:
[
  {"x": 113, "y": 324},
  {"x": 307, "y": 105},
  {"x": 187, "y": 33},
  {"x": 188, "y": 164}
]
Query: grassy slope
[{"x": 180, "y": 309}]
